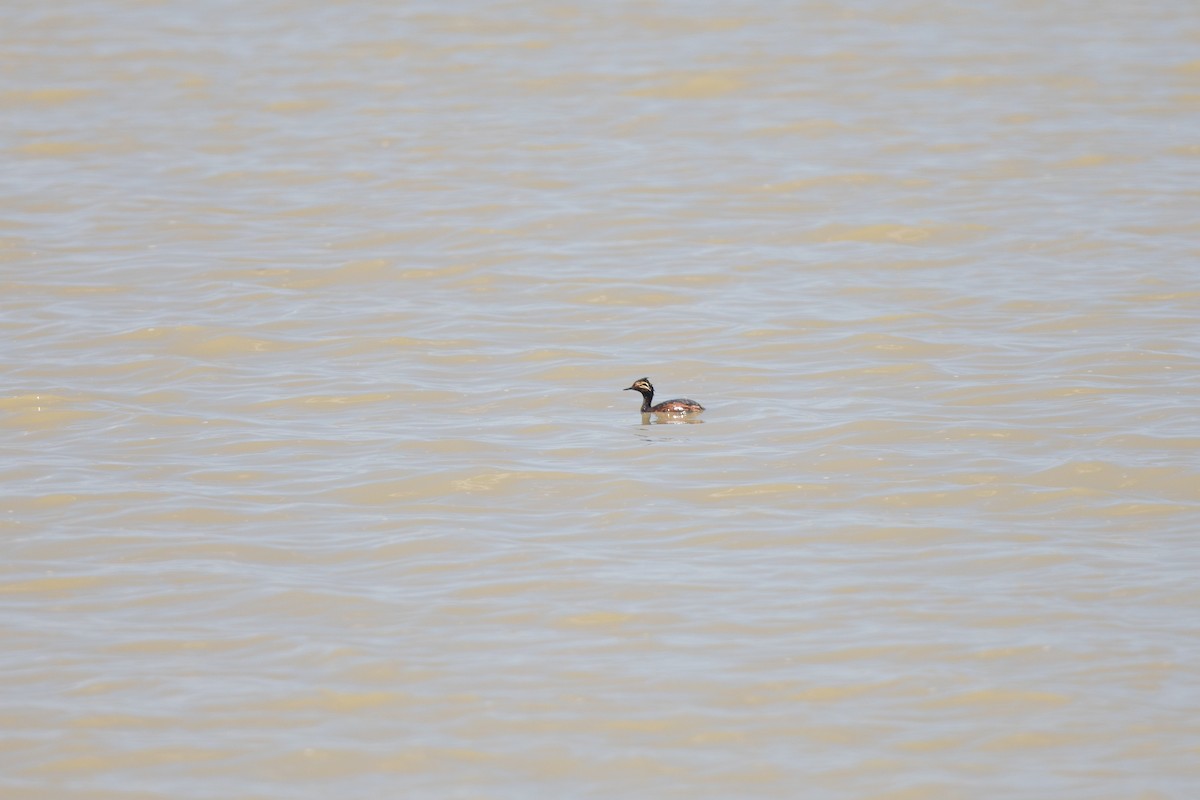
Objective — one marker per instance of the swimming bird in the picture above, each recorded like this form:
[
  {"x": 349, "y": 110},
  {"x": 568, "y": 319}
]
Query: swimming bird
[{"x": 678, "y": 406}]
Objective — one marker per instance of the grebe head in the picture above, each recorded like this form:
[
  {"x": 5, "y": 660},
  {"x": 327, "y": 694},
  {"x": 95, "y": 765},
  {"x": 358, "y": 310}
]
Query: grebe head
[{"x": 642, "y": 385}]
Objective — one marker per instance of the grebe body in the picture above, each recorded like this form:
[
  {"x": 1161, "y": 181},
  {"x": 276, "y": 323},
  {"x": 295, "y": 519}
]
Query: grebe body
[{"x": 678, "y": 406}]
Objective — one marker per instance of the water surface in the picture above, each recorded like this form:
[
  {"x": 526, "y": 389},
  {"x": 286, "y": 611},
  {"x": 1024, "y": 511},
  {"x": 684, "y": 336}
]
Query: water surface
[{"x": 319, "y": 478}]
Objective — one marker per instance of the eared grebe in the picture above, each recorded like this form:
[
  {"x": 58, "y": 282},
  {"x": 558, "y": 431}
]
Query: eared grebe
[{"x": 679, "y": 406}]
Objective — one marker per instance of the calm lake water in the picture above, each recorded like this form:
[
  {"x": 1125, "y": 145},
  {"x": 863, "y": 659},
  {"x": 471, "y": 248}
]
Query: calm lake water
[{"x": 319, "y": 479}]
